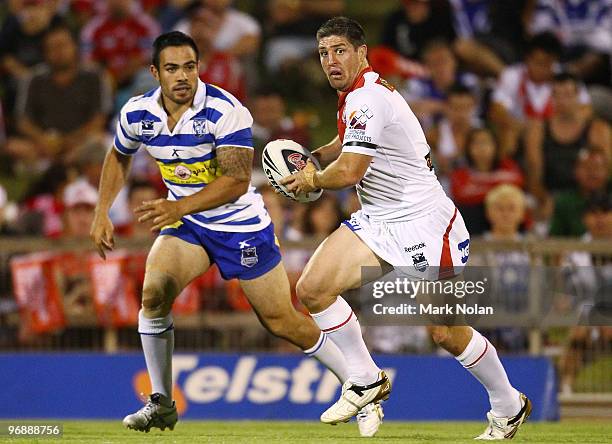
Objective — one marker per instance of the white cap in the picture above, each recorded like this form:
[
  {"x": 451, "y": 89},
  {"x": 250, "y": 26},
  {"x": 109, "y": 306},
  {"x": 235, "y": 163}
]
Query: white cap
[{"x": 80, "y": 192}]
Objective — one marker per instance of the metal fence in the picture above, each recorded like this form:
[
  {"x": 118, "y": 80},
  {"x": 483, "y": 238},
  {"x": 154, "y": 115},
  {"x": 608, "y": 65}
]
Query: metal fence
[{"x": 556, "y": 294}]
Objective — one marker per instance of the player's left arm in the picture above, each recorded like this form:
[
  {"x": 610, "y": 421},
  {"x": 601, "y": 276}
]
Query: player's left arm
[{"x": 236, "y": 164}]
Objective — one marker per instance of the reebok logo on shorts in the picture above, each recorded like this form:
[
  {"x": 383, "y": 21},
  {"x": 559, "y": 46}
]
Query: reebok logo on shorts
[{"x": 414, "y": 247}]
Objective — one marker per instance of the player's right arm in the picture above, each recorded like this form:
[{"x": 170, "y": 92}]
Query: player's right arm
[
  {"x": 326, "y": 154},
  {"x": 114, "y": 176}
]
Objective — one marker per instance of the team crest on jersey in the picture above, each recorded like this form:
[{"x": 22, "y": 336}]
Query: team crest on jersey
[
  {"x": 199, "y": 127},
  {"x": 359, "y": 119},
  {"x": 464, "y": 248},
  {"x": 182, "y": 172},
  {"x": 420, "y": 262},
  {"x": 248, "y": 257},
  {"x": 147, "y": 129},
  {"x": 297, "y": 159}
]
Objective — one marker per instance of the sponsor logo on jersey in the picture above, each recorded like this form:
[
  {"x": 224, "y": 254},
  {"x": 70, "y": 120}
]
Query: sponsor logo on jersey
[
  {"x": 359, "y": 119},
  {"x": 182, "y": 172},
  {"x": 420, "y": 262},
  {"x": 464, "y": 248},
  {"x": 199, "y": 127},
  {"x": 297, "y": 160},
  {"x": 248, "y": 257},
  {"x": 414, "y": 247},
  {"x": 146, "y": 129}
]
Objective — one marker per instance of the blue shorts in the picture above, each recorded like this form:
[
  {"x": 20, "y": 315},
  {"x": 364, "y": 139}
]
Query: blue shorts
[{"x": 238, "y": 255}]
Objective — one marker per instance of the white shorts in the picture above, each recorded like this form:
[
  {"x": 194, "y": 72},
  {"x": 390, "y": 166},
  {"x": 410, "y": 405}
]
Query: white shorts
[{"x": 435, "y": 246}]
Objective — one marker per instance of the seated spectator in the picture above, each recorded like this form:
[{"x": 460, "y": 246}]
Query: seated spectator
[
  {"x": 62, "y": 105},
  {"x": 505, "y": 211},
  {"x": 408, "y": 29},
  {"x": 524, "y": 91},
  {"x": 239, "y": 34},
  {"x": 80, "y": 199},
  {"x": 448, "y": 137},
  {"x": 585, "y": 29},
  {"x": 475, "y": 40},
  {"x": 120, "y": 39},
  {"x": 291, "y": 27},
  {"x": 590, "y": 284},
  {"x": 271, "y": 122},
  {"x": 427, "y": 96},
  {"x": 138, "y": 192},
  {"x": 217, "y": 67},
  {"x": 552, "y": 145},
  {"x": 485, "y": 168},
  {"x": 323, "y": 216},
  {"x": 592, "y": 177}
]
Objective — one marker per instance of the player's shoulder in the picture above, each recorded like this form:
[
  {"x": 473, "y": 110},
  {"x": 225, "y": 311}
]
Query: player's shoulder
[
  {"x": 375, "y": 91},
  {"x": 220, "y": 98},
  {"x": 141, "y": 104}
]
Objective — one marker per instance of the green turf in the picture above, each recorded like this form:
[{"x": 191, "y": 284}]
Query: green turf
[{"x": 307, "y": 432}]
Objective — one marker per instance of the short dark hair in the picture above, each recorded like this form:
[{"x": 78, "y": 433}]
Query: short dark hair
[
  {"x": 459, "y": 89},
  {"x": 343, "y": 27},
  {"x": 547, "y": 42},
  {"x": 60, "y": 26},
  {"x": 173, "y": 38},
  {"x": 565, "y": 77}
]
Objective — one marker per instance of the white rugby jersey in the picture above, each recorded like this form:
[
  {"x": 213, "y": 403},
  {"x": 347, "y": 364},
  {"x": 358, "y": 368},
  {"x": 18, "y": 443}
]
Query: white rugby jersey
[
  {"x": 374, "y": 119},
  {"x": 186, "y": 156}
]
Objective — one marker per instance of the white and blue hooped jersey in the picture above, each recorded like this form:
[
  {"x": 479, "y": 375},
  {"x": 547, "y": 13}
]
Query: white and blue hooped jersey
[{"x": 186, "y": 156}]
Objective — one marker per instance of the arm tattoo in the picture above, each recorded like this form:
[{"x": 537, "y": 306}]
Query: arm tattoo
[{"x": 236, "y": 162}]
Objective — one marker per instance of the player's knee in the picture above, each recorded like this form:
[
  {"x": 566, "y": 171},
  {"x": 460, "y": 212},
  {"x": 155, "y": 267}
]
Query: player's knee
[
  {"x": 158, "y": 294},
  {"x": 440, "y": 334},
  {"x": 279, "y": 325},
  {"x": 309, "y": 293}
]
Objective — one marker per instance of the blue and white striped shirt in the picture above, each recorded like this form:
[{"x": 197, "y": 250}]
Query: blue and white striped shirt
[{"x": 186, "y": 156}]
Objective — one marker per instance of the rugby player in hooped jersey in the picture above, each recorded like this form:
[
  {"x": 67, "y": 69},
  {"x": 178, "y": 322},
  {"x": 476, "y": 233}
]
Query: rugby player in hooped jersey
[
  {"x": 406, "y": 221},
  {"x": 200, "y": 137}
]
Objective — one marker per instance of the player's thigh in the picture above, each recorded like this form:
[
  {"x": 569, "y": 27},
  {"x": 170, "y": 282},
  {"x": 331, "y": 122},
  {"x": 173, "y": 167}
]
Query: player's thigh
[
  {"x": 270, "y": 294},
  {"x": 336, "y": 265},
  {"x": 171, "y": 264}
]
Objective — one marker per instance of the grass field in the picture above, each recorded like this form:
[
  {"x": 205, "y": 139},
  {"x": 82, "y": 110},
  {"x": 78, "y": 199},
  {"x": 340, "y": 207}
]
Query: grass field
[{"x": 574, "y": 431}]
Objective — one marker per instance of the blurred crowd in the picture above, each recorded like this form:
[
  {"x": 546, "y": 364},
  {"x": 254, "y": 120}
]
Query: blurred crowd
[{"x": 515, "y": 99}]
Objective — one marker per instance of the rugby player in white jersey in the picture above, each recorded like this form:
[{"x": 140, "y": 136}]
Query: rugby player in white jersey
[
  {"x": 200, "y": 136},
  {"x": 406, "y": 221}
]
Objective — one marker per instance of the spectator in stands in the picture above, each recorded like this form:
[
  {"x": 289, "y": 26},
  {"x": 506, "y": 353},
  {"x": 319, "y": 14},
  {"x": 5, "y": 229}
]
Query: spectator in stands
[
  {"x": 585, "y": 29},
  {"x": 592, "y": 174},
  {"x": 485, "y": 168},
  {"x": 120, "y": 39},
  {"x": 505, "y": 207},
  {"x": 239, "y": 34},
  {"x": 427, "y": 96},
  {"x": 271, "y": 122},
  {"x": 323, "y": 216},
  {"x": 138, "y": 192},
  {"x": 290, "y": 27},
  {"x": 448, "y": 137},
  {"x": 475, "y": 40},
  {"x": 590, "y": 284},
  {"x": 217, "y": 67},
  {"x": 80, "y": 200},
  {"x": 274, "y": 203},
  {"x": 416, "y": 23},
  {"x": 524, "y": 91},
  {"x": 61, "y": 106},
  {"x": 22, "y": 34},
  {"x": 552, "y": 145}
]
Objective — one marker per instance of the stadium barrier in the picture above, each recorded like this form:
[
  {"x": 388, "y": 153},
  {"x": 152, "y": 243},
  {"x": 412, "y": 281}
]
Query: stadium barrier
[{"x": 253, "y": 386}]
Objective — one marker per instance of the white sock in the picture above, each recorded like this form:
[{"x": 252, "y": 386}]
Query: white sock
[
  {"x": 157, "y": 337},
  {"x": 340, "y": 324},
  {"x": 481, "y": 360},
  {"x": 328, "y": 354}
]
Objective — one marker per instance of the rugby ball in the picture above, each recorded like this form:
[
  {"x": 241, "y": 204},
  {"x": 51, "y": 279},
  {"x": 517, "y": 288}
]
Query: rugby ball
[{"x": 282, "y": 158}]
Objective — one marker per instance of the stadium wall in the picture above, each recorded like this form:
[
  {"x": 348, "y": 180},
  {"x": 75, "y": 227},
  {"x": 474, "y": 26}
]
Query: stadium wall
[{"x": 256, "y": 386}]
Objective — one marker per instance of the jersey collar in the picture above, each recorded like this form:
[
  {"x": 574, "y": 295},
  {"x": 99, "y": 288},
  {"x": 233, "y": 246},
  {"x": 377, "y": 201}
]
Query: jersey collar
[{"x": 356, "y": 84}]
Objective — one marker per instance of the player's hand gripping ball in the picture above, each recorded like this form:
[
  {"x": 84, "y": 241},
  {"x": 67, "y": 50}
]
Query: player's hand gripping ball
[{"x": 284, "y": 157}]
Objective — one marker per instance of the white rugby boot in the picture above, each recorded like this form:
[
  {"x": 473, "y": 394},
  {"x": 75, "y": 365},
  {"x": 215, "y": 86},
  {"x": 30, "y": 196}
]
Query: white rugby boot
[
  {"x": 153, "y": 414},
  {"x": 355, "y": 397},
  {"x": 369, "y": 419},
  {"x": 506, "y": 428}
]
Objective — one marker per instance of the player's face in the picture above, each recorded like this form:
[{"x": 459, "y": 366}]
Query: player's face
[
  {"x": 341, "y": 61},
  {"x": 178, "y": 73}
]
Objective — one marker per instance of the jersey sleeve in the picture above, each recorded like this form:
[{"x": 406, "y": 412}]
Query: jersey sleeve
[
  {"x": 234, "y": 128},
  {"x": 127, "y": 141},
  {"x": 366, "y": 115}
]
